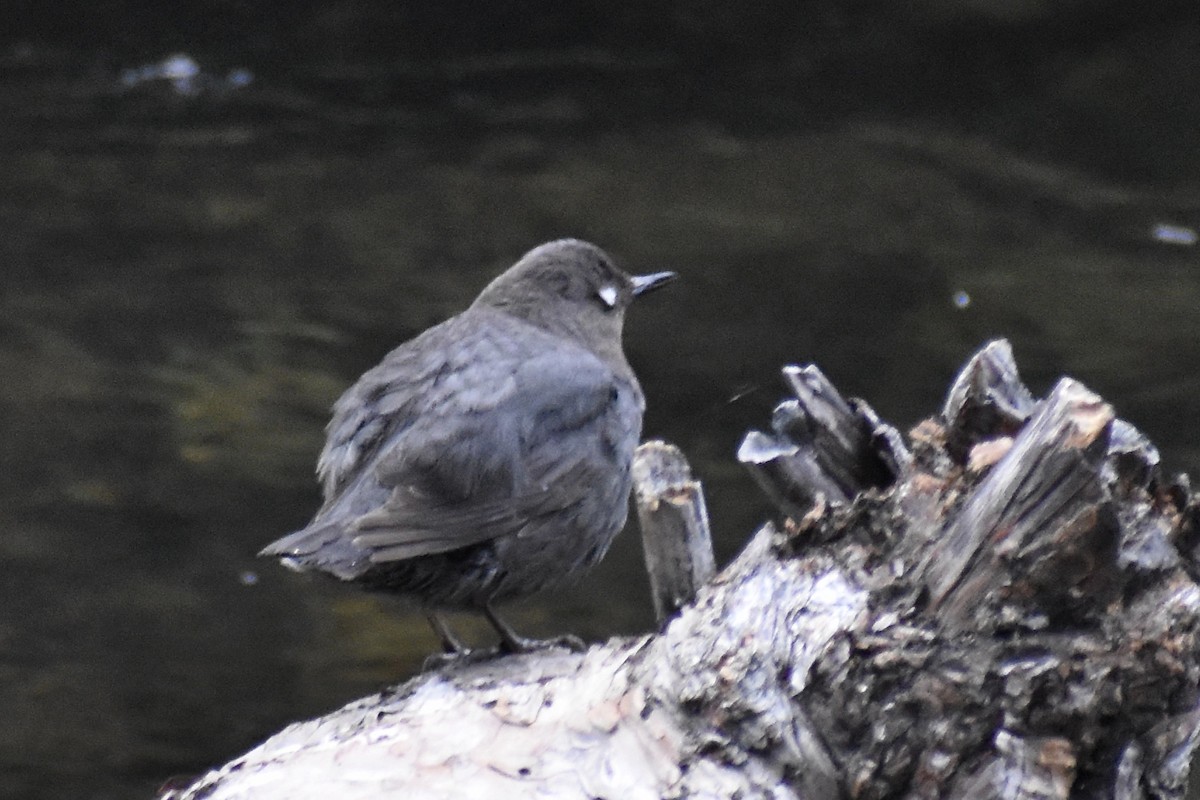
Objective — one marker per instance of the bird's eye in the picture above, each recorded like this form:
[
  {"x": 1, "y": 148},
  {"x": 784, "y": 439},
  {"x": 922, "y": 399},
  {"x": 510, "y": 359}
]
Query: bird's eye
[{"x": 608, "y": 295}]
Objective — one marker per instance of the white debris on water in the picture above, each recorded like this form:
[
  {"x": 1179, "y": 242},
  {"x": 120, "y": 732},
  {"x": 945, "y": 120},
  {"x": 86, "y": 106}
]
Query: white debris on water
[
  {"x": 184, "y": 75},
  {"x": 1178, "y": 235}
]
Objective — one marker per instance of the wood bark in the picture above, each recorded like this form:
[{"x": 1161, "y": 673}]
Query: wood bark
[
  {"x": 676, "y": 539},
  {"x": 1004, "y": 606}
]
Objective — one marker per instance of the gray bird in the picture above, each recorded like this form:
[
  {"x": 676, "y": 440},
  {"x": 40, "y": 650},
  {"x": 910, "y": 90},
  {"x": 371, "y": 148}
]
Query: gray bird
[{"x": 489, "y": 457}]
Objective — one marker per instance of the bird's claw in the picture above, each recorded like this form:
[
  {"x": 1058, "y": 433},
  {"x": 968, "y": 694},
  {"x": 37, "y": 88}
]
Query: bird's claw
[{"x": 519, "y": 644}]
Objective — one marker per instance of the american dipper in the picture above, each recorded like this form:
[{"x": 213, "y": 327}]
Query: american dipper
[{"x": 489, "y": 457}]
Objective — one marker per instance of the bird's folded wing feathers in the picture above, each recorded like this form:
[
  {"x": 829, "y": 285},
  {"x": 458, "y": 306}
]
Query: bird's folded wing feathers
[
  {"x": 385, "y": 398},
  {"x": 490, "y": 451}
]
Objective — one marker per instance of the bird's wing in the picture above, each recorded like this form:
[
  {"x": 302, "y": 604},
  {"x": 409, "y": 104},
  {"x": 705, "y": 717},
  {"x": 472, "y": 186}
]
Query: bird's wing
[
  {"x": 469, "y": 454},
  {"x": 386, "y": 399}
]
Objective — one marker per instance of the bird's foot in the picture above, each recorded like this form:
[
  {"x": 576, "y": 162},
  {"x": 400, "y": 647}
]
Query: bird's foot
[
  {"x": 436, "y": 661},
  {"x": 519, "y": 644},
  {"x": 452, "y": 646},
  {"x": 512, "y": 642}
]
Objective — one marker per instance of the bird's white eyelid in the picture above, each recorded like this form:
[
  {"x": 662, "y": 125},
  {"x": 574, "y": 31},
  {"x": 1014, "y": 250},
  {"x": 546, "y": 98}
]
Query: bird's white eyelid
[{"x": 609, "y": 295}]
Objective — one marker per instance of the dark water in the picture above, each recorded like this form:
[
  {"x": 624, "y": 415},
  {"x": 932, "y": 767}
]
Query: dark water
[{"x": 190, "y": 280}]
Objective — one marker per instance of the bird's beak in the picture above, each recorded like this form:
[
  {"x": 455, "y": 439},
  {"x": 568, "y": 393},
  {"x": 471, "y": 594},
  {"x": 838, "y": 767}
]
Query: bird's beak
[{"x": 646, "y": 283}]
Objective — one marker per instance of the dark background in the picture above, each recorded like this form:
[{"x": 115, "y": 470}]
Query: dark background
[{"x": 192, "y": 273}]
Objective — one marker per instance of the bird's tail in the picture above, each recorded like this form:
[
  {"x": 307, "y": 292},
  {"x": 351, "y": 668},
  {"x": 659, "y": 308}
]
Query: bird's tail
[{"x": 321, "y": 546}]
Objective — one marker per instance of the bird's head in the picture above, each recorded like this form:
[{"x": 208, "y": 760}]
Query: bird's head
[{"x": 573, "y": 288}]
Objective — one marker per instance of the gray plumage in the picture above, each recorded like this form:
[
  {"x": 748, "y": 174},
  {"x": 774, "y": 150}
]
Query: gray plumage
[{"x": 489, "y": 457}]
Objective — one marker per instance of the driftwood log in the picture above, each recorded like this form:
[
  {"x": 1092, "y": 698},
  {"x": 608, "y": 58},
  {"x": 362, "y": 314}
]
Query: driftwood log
[{"x": 1004, "y": 606}]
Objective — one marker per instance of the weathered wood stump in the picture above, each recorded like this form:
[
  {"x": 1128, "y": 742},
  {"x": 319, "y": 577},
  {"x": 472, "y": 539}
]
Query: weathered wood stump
[
  {"x": 1005, "y": 607},
  {"x": 674, "y": 521}
]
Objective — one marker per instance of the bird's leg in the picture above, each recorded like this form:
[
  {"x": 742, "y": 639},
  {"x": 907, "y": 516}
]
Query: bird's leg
[
  {"x": 451, "y": 644},
  {"x": 512, "y": 642}
]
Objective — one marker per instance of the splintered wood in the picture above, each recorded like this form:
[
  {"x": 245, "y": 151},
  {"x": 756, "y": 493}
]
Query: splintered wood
[{"x": 674, "y": 521}]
